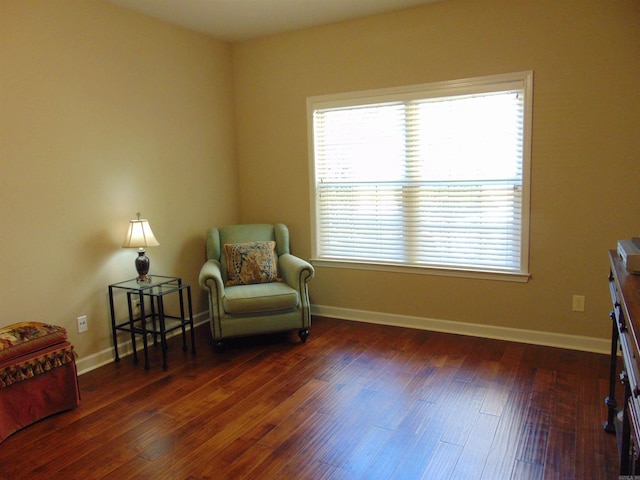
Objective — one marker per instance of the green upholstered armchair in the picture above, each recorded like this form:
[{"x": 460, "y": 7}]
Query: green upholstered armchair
[{"x": 254, "y": 284}]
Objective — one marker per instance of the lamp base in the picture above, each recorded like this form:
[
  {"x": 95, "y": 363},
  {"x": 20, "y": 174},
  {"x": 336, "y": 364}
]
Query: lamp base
[{"x": 142, "y": 266}]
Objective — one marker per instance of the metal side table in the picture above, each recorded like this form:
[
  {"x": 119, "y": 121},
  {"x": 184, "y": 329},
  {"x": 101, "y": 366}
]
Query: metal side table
[{"x": 155, "y": 322}]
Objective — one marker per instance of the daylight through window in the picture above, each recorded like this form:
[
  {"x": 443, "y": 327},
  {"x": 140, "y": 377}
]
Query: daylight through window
[{"x": 432, "y": 176}]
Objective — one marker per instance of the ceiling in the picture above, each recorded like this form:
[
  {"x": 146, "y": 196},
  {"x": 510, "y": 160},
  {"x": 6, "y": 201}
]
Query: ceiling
[{"x": 234, "y": 20}]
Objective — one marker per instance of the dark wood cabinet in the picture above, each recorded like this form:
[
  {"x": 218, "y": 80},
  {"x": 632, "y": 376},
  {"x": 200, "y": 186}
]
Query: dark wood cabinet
[{"x": 624, "y": 418}]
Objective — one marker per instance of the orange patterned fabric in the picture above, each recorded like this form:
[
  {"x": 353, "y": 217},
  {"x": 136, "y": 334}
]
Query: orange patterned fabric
[
  {"x": 253, "y": 262},
  {"x": 40, "y": 362},
  {"x": 25, "y": 337}
]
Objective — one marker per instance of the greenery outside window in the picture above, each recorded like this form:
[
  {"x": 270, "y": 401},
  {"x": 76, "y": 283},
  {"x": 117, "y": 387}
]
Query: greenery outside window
[{"x": 432, "y": 176}]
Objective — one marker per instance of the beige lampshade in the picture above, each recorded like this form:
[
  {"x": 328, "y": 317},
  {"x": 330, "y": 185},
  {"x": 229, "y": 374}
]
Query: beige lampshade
[{"x": 140, "y": 234}]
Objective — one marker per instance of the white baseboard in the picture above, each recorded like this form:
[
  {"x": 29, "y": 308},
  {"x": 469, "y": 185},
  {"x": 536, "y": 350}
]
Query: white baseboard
[
  {"x": 549, "y": 339},
  {"x": 91, "y": 362}
]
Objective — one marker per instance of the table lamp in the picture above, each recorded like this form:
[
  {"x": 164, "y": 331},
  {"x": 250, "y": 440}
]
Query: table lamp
[{"x": 140, "y": 236}]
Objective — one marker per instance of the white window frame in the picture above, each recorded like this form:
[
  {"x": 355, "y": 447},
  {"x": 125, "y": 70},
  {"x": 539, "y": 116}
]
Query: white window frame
[{"x": 519, "y": 80}]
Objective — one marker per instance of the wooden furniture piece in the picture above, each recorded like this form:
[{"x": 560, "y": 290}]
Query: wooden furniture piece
[
  {"x": 38, "y": 376},
  {"x": 156, "y": 322},
  {"x": 625, "y": 332}
]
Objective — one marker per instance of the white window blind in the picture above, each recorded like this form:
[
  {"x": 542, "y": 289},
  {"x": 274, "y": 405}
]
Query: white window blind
[{"x": 428, "y": 178}]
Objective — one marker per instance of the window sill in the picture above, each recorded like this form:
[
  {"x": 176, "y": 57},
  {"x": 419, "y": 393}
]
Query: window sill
[{"x": 494, "y": 275}]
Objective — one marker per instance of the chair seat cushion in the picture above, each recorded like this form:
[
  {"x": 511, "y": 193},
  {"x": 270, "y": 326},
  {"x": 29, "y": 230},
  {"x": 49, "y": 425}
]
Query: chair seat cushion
[{"x": 262, "y": 297}]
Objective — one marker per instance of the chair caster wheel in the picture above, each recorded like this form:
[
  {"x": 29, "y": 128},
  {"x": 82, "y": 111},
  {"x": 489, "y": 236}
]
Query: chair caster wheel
[
  {"x": 303, "y": 334},
  {"x": 219, "y": 347}
]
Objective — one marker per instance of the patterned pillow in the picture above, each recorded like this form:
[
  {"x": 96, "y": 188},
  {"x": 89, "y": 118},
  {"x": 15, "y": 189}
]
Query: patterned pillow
[{"x": 253, "y": 262}]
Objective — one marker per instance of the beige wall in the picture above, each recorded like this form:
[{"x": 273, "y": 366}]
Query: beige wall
[
  {"x": 103, "y": 113},
  {"x": 585, "y": 159}
]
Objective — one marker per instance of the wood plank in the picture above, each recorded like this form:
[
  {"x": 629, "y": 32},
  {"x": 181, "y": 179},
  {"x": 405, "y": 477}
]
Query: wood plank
[
  {"x": 476, "y": 450},
  {"x": 442, "y": 463},
  {"x": 511, "y": 428}
]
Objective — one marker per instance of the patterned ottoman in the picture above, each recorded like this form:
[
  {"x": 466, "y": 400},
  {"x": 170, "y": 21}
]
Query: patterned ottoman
[{"x": 38, "y": 374}]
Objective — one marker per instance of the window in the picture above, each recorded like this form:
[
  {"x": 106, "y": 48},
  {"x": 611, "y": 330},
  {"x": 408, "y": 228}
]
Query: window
[{"x": 432, "y": 176}]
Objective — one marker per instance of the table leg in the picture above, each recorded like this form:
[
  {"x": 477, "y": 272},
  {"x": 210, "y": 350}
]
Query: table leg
[
  {"x": 183, "y": 320},
  {"x": 625, "y": 456},
  {"x": 163, "y": 334},
  {"x": 153, "y": 321},
  {"x": 113, "y": 325},
  {"x": 132, "y": 328},
  {"x": 143, "y": 324},
  {"x": 193, "y": 334},
  {"x": 610, "y": 401}
]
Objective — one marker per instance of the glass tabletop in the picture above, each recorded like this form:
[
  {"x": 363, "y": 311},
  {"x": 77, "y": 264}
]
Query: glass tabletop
[{"x": 153, "y": 281}]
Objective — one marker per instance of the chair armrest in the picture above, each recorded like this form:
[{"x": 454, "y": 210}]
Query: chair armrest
[
  {"x": 295, "y": 271},
  {"x": 210, "y": 277},
  {"x": 210, "y": 280}
]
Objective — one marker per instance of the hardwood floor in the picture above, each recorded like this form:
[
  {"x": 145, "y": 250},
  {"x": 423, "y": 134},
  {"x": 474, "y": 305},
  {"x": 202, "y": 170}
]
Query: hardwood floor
[{"x": 357, "y": 401}]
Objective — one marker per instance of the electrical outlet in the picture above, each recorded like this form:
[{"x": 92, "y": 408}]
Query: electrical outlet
[
  {"x": 83, "y": 326},
  {"x": 578, "y": 303}
]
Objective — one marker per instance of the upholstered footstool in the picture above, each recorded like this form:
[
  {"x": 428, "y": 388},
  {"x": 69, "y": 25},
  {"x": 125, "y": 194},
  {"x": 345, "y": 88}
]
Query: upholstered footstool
[{"x": 38, "y": 375}]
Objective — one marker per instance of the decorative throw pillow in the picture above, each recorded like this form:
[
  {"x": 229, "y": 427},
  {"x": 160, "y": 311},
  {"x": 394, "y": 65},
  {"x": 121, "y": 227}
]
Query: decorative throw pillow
[{"x": 253, "y": 262}]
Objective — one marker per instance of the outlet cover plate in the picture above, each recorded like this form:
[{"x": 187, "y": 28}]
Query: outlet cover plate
[{"x": 83, "y": 326}]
